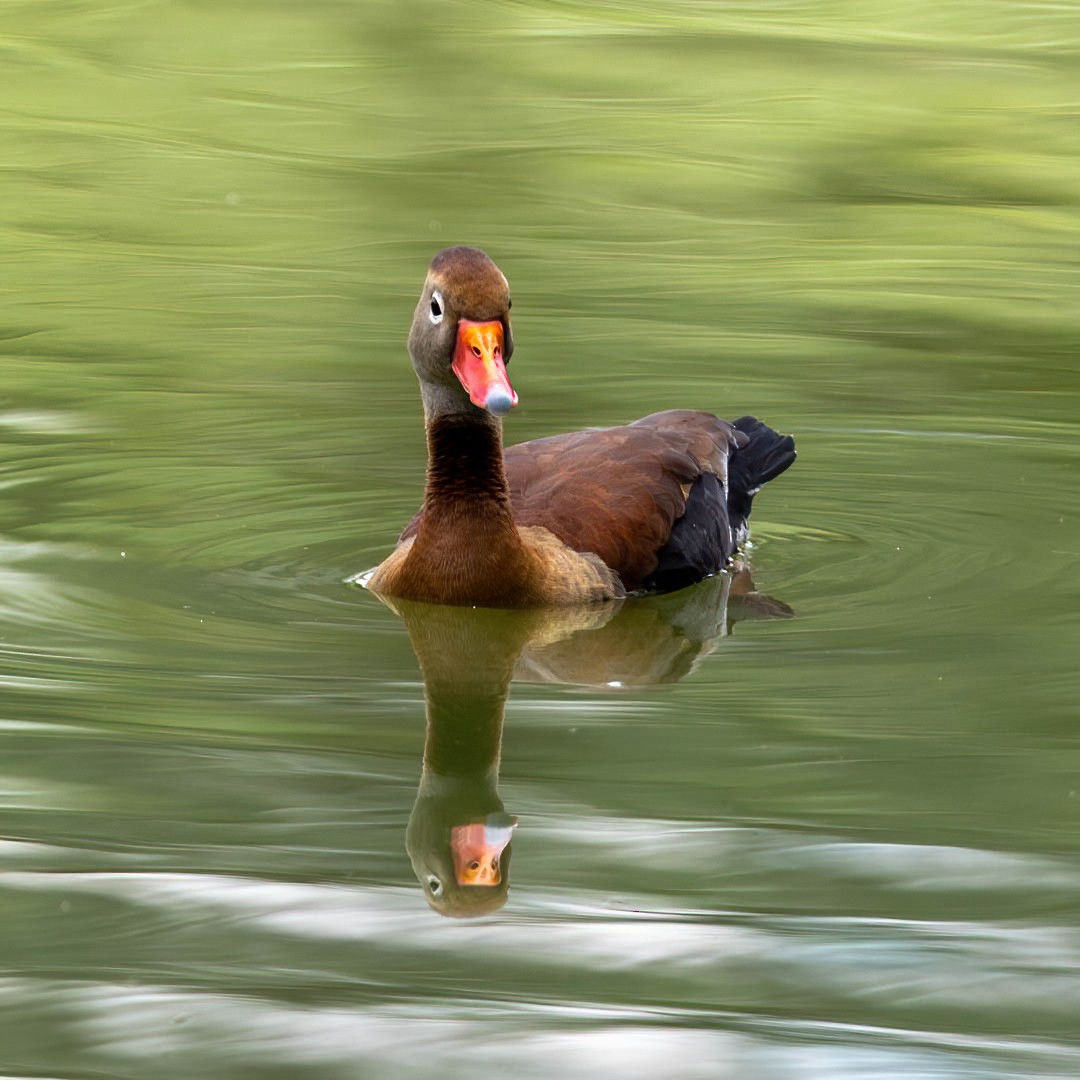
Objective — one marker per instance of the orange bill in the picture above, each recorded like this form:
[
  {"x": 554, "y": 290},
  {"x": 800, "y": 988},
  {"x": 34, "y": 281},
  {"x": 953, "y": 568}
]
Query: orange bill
[
  {"x": 477, "y": 850},
  {"x": 480, "y": 368}
]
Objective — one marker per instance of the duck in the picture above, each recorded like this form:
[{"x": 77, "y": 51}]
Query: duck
[{"x": 652, "y": 506}]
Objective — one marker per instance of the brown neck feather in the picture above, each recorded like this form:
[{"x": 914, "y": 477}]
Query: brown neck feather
[
  {"x": 465, "y": 473},
  {"x": 467, "y": 547}
]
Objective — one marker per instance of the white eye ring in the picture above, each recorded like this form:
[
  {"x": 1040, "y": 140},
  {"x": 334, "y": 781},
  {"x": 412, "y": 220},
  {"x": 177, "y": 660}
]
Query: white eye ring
[{"x": 435, "y": 311}]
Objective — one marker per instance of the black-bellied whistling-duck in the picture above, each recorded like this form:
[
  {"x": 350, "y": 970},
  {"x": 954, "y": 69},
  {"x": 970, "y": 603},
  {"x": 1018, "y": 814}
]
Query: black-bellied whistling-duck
[{"x": 593, "y": 515}]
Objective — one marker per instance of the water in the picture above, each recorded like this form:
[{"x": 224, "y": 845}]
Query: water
[{"x": 832, "y": 834}]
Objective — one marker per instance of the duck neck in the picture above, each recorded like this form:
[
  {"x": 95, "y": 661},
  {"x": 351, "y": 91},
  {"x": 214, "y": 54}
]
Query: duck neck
[
  {"x": 467, "y": 548},
  {"x": 466, "y": 479}
]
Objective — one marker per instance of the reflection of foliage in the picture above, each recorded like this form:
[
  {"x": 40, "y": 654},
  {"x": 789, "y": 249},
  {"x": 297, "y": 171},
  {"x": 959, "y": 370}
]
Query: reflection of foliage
[
  {"x": 824, "y": 213},
  {"x": 234, "y": 225}
]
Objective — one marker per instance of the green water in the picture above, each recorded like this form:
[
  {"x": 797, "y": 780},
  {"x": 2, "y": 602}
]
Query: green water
[{"x": 837, "y": 845}]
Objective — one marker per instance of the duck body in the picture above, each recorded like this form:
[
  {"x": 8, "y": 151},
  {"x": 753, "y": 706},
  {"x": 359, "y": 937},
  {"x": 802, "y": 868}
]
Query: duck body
[{"x": 592, "y": 515}]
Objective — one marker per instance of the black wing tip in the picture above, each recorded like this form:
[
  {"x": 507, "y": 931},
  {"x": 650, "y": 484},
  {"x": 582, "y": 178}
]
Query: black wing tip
[{"x": 765, "y": 456}]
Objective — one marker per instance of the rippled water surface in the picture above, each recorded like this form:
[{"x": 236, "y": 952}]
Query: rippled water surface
[{"x": 825, "y": 830}]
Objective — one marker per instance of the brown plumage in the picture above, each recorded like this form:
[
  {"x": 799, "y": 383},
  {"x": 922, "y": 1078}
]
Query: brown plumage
[{"x": 586, "y": 516}]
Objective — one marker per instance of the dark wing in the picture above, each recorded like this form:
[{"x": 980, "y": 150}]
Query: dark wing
[{"x": 618, "y": 492}]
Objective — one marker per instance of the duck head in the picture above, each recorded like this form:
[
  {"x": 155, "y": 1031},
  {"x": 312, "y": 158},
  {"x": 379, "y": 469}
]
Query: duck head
[{"x": 460, "y": 341}]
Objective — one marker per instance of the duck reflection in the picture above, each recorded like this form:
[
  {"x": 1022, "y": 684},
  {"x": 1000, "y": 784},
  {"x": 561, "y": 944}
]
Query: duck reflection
[{"x": 459, "y": 833}]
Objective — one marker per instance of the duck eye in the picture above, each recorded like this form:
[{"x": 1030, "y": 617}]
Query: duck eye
[
  {"x": 434, "y": 884},
  {"x": 436, "y": 308},
  {"x": 509, "y": 304}
]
